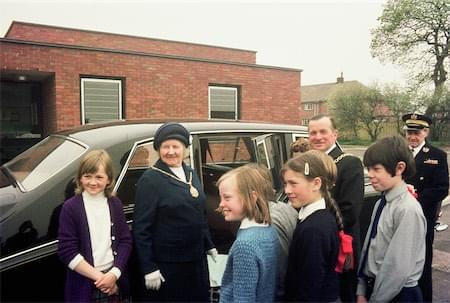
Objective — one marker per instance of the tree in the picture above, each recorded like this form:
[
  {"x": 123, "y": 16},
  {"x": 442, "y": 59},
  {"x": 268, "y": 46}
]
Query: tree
[
  {"x": 440, "y": 129},
  {"x": 400, "y": 101},
  {"x": 359, "y": 107},
  {"x": 415, "y": 33}
]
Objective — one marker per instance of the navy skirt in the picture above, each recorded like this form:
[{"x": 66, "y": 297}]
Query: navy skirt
[{"x": 185, "y": 282}]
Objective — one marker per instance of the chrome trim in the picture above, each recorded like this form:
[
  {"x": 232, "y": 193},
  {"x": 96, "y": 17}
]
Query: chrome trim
[
  {"x": 127, "y": 162},
  {"x": 48, "y": 248}
]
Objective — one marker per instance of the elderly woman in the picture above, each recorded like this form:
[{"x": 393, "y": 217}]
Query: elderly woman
[{"x": 170, "y": 229}]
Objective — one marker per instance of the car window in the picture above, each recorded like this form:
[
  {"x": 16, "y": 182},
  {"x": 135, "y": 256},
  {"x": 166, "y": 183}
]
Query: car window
[
  {"x": 228, "y": 150},
  {"x": 39, "y": 163}
]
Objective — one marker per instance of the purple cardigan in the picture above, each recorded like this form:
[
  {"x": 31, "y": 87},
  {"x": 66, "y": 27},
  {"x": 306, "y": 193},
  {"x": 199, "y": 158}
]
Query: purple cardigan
[{"x": 74, "y": 238}]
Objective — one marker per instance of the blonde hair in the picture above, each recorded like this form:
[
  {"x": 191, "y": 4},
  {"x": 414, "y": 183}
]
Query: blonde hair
[
  {"x": 265, "y": 173},
  {"x": 90, "y": 164},
  {"x": 250, "y": 182},
  {"x": 316, "y": 164}
]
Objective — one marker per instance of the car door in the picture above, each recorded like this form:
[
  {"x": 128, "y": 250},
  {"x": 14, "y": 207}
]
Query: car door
[{"x": 270, "y": 152}]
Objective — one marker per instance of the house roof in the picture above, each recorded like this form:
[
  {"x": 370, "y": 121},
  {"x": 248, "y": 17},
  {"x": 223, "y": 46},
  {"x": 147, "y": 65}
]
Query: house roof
[{"x": 322, "y": 92}]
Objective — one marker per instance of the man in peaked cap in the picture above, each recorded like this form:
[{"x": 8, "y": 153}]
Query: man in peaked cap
[{"x": 431, "y": 183}]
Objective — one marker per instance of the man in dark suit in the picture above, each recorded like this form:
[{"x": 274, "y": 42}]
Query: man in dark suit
[
  {"x": 431, "y": 184},
  {"x": 348, "y": 191}
]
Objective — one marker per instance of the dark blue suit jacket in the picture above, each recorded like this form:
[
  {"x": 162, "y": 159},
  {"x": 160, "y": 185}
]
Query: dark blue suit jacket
[
  {"x": 431, "y": 179},
  {"x": 169, "y": 224},
  {"x": 348, "y": 193}
]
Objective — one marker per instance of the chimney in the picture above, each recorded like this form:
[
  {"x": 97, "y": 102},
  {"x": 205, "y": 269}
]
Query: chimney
[{"x": 340, "y": 79}]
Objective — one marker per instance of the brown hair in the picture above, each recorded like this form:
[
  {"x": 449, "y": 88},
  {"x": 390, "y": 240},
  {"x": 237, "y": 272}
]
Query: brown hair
[
  {"x": 90, "y": 165},
  {"x": 388, "y": 151},
  {"x": 250, "y": 181},
  {"x": 301, "y": 145},
  {"x": 320, "y": 116},
  {"x": 316, "y": 164}
]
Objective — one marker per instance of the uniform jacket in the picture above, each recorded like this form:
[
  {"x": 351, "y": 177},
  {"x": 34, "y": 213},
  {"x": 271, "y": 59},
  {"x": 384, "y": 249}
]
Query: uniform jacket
[
  {"x": 431, "y": 179},
  {"x": 169, "y": 224},
  {"x": 74, "y": 238},
  {"x": 348, "y": 192}
]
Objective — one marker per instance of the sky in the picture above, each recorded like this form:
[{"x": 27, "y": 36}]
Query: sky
[{"x": 322, "y": 38}]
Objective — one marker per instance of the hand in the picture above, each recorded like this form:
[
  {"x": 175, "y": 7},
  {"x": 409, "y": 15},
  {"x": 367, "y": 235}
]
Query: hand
[
  {"x": 114, "y": 290},
  {"x": 213, "y": 253},
  {"x": 106, "y": 282},
  {"x": 361, "y": 299},
  {"x": 153, "y": 280}
]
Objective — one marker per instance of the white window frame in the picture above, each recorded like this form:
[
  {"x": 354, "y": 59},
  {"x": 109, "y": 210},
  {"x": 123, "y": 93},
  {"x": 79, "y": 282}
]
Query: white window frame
[
  {"x": 235, "y": 89},
  {"x": 308, "y": 106},
  {"x": 83, "y": 80}
]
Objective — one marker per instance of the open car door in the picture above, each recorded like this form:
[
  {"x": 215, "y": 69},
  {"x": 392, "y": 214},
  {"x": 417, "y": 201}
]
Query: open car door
[{"x": 268, "y": 150}]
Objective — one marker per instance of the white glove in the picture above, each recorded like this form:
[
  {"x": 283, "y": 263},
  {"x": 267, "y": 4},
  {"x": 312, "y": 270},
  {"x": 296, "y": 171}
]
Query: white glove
[
  {"x": 213, "y": 253},
  {"x": 153, "y": 280}
]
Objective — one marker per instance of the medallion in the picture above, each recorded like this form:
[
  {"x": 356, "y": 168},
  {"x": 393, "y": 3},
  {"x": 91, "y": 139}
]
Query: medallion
[{"x": 194, "y": 191}]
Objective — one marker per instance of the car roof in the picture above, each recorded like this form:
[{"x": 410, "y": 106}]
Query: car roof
[{"x": 124, "y": 130}]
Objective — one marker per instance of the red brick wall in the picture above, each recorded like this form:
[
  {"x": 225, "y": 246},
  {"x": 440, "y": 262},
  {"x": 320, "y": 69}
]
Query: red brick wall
[
  {"x": 50, "y": 34},
  {"x": 48, "y": 107},
  {"x": 156, "y": 87}
]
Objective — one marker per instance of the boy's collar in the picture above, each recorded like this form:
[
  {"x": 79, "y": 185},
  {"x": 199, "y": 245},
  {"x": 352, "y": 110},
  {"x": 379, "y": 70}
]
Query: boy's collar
[{"x": 395, "y": 191}]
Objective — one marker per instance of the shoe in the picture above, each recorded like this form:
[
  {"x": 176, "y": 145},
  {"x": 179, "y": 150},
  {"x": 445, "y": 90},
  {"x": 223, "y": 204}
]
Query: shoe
[{"x": 441, "y": 227}]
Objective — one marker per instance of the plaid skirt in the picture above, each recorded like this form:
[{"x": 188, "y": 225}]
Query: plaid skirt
[{"x": 99, "y": 296}]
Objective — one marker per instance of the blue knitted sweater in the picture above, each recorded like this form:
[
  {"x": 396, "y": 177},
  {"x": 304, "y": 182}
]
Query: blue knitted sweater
[{"x": 251, "y": 270}]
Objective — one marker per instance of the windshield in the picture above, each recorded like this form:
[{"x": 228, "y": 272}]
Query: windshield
[{"x": 43, "y": 160}]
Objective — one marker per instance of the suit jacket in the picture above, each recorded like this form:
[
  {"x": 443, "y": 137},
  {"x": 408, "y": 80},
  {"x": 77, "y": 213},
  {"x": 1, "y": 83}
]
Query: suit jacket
[
  {"x": 348, "y": 193},
  {"x": 431, "y": 179},
  {"x": 74, "y": 238},
  {"x": 169, "y": 224}
]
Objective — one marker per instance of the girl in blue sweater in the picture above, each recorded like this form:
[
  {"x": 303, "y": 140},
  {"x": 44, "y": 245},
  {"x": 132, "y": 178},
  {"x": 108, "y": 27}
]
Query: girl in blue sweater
[
  {"x": 313, "y": 253},
  {"x": 250, "y": 273}
]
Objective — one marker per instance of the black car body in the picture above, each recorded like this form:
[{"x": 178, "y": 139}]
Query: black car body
[{"x": 34, "y": 184}]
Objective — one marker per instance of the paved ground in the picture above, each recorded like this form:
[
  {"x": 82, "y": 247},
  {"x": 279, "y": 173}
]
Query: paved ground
[{"x": 441, "y": 261}]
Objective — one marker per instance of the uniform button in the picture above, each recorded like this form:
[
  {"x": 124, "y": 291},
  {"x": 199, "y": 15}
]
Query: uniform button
[
  {"x": 112, "y": 223},
  {"x": 113, "y": 238},
  {"x": 115, "y": 253},
  {"x": 421, "y": 178}
]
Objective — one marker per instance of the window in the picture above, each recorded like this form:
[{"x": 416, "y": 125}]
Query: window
[
  {"x": 305, "y": 121},
  {"x": 101, "y": 100},
  {"x": 223, "y": 102},
  {"x": 37, "y": 164},
  {"x": 308, "y": 106}
]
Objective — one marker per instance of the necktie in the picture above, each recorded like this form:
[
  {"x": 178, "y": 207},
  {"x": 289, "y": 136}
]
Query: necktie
[
  {"x": 411, "y": 149},
  {"x": 373, "y": 232}
]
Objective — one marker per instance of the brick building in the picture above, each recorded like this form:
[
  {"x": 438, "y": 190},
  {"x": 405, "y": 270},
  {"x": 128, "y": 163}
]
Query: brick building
[
  {"x": 55, "y": 78},
  {"x": 315, "y": 97}
]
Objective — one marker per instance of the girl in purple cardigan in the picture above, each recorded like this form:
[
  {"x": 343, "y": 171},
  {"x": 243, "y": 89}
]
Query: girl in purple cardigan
[{"x": 94, "y": 239}]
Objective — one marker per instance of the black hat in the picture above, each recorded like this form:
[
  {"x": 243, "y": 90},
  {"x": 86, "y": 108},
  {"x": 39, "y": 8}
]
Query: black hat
[
  {"x": 416, "y": 121},
  {"x": 171, "y": 130}
]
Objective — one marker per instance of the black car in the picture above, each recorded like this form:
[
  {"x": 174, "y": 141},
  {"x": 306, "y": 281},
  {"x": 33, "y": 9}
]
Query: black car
[{"x": 34, "y": 184}]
